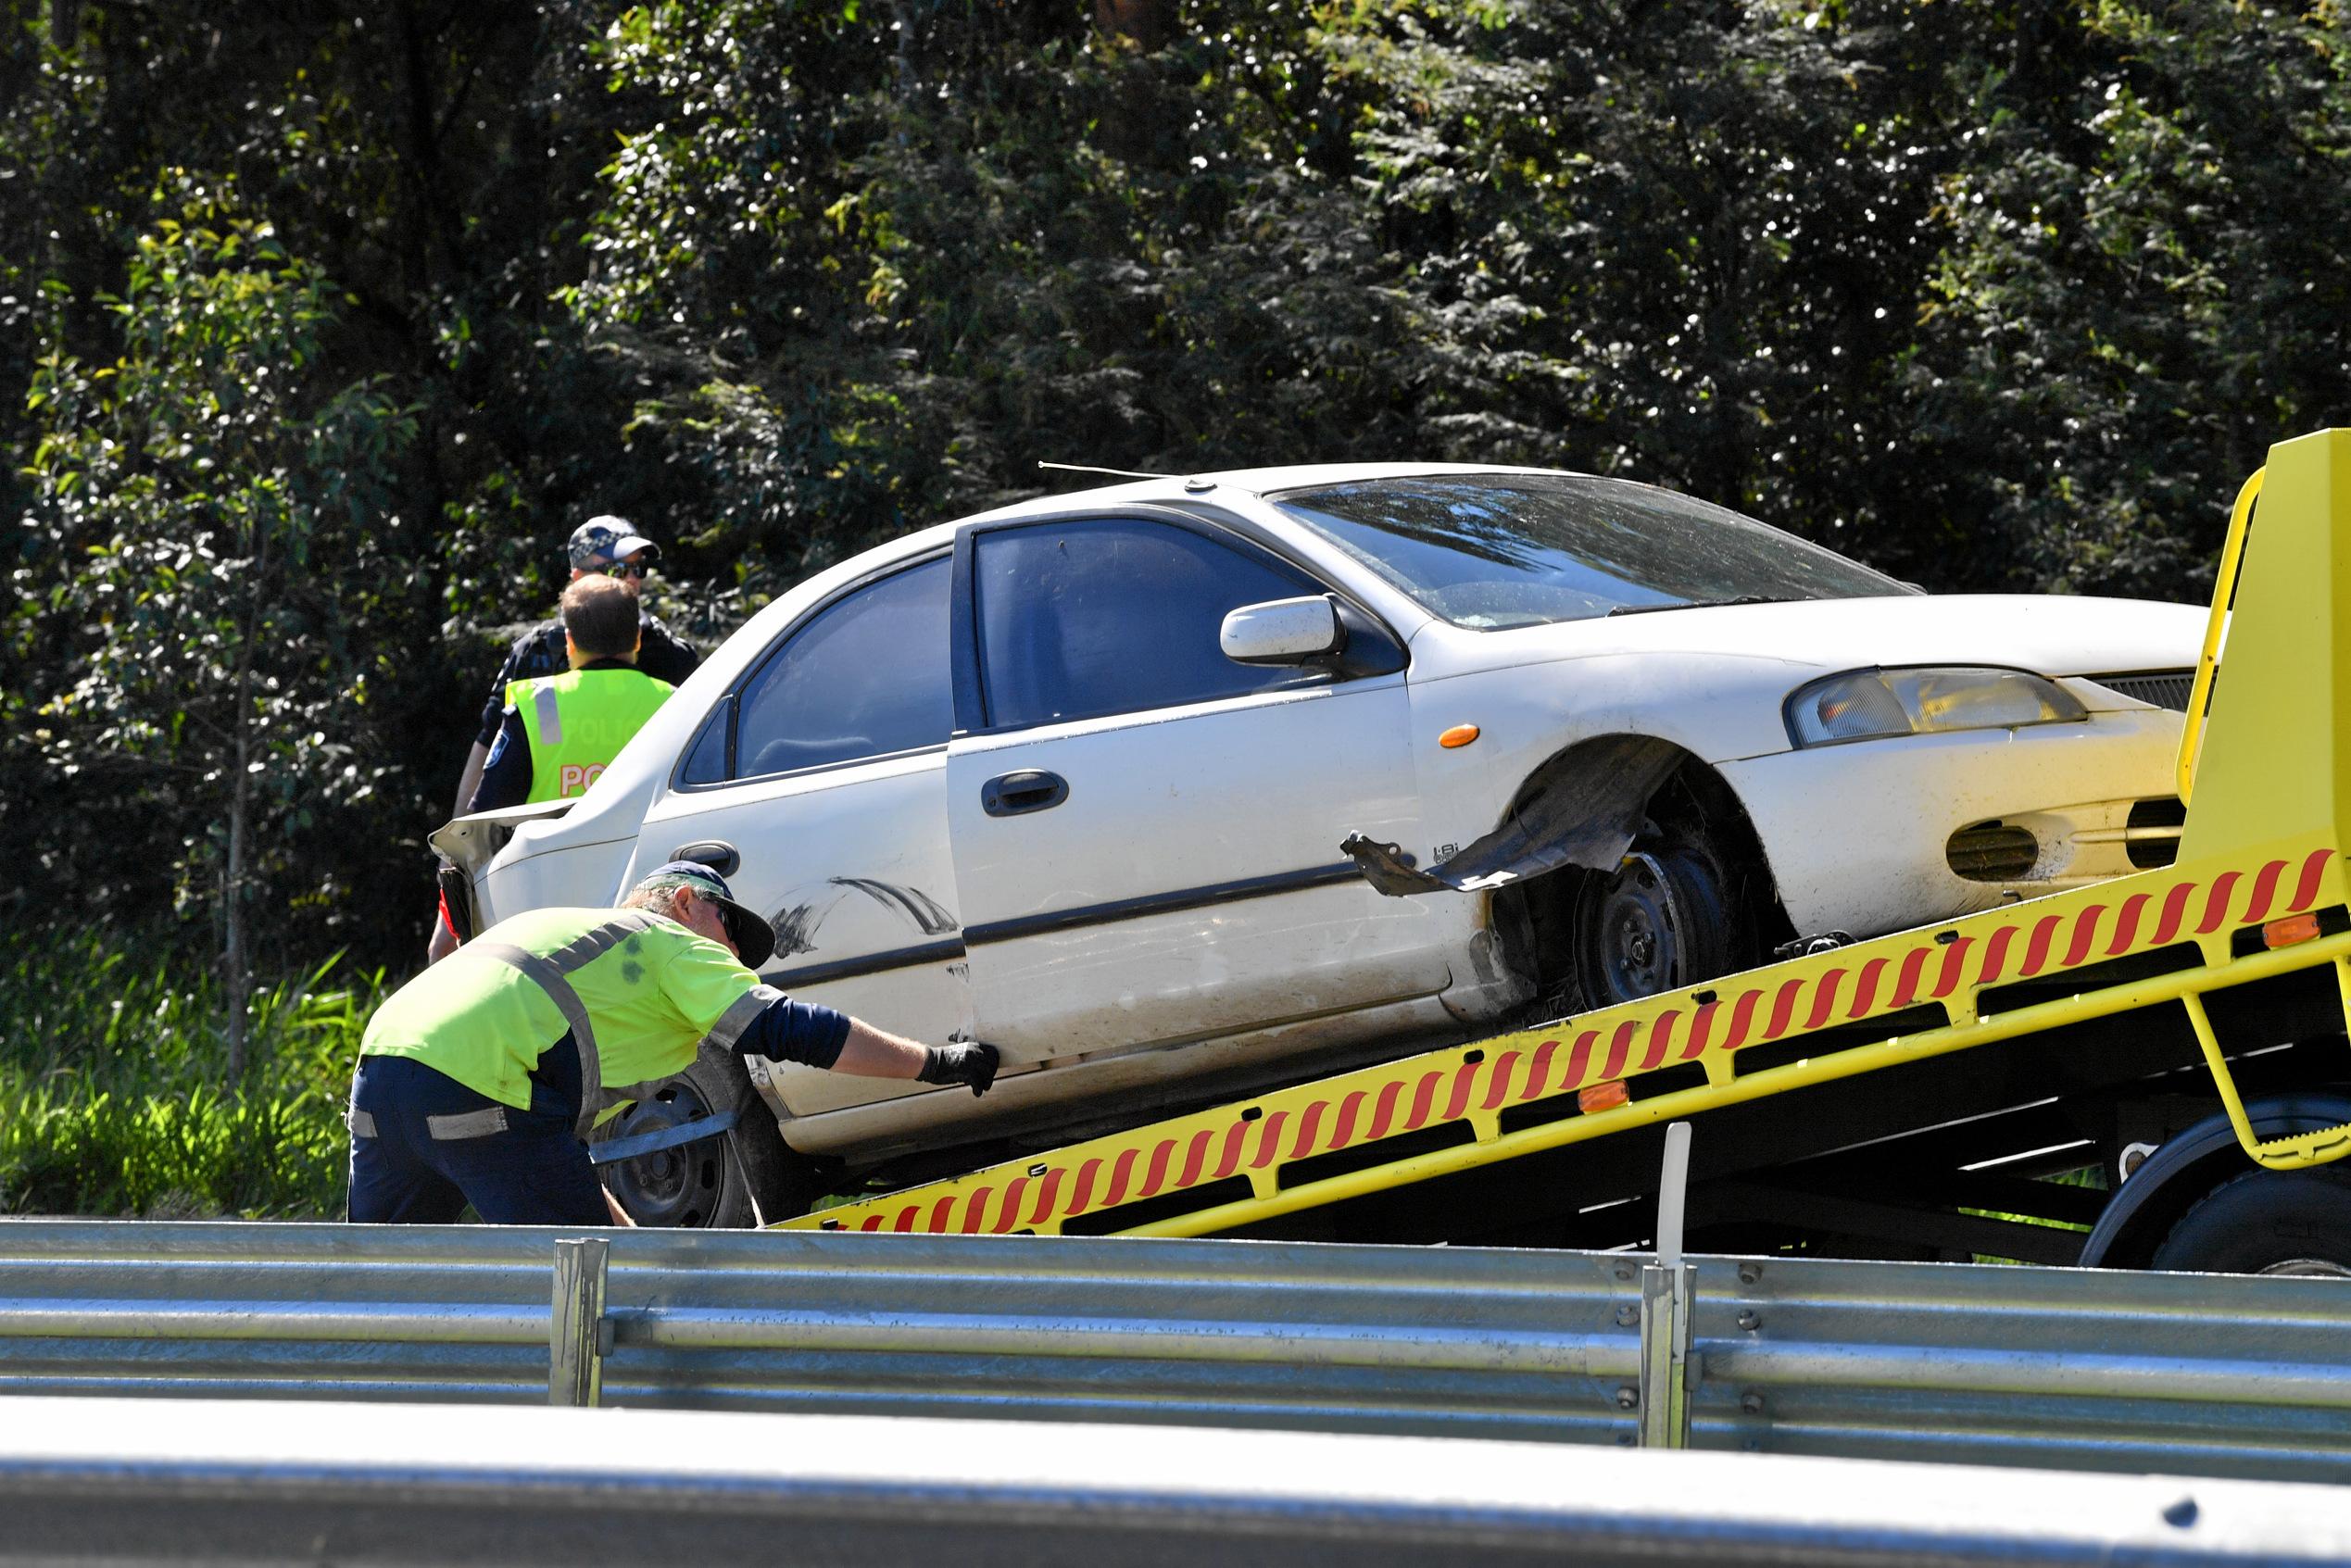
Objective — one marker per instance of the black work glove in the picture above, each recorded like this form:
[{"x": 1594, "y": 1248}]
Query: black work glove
[{"x": 974, "y": 1064}]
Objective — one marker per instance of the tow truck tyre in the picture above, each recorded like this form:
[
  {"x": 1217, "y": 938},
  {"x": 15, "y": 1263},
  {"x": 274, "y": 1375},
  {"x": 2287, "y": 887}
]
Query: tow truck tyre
[
  {"x": 2267, "y": 1222},
  {"x": 737, "y": 1178},
  {"x": 1660, "y": 921}
]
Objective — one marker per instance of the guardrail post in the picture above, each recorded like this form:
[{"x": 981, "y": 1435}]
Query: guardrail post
[
  {"x": 1668, "y": 1287},
  {"x": 576, "y": 1330}
]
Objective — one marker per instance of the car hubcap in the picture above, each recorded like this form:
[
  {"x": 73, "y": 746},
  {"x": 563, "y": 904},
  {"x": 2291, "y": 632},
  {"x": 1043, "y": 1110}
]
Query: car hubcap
[
  {"x": 669, "y": 1186},
  {"x": 2322, "y": 1268}
]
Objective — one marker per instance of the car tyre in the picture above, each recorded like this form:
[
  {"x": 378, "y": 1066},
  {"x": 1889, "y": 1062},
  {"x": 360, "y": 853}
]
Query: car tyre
[
  {"x": 1661, "y": 920},
  {"x": 745, "y": 1176},
  {"x": 2265, "y": 1222}
]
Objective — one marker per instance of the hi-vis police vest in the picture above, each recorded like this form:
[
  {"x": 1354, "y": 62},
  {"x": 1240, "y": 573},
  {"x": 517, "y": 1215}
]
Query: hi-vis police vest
[{"x": 577, "y": 722}]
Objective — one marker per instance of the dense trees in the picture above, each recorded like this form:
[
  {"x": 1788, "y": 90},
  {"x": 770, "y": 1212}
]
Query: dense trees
[
  {"x": 227, "y": 509},
  {"x": 317, "y": 331}
]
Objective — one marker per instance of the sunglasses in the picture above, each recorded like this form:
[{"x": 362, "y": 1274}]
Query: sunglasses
[{"x": 625, "y": 569}]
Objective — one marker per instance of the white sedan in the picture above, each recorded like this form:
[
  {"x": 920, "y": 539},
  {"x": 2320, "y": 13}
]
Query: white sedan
[{"x": 1073, "y": 777}]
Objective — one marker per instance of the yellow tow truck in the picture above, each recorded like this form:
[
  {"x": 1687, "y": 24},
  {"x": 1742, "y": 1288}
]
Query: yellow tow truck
[{"x": 2172, "y": 1042}]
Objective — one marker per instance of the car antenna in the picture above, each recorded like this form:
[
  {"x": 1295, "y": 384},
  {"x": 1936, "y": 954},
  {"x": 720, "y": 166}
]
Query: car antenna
[{"x": 1089, "y": 468}]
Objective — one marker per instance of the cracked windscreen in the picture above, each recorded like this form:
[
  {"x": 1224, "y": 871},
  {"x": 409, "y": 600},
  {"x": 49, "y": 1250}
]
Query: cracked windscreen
[{"x": 1495, "y": 551}]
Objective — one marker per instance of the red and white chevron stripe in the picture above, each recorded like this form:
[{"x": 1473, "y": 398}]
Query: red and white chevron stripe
[{"x": 2033, "y": 946}]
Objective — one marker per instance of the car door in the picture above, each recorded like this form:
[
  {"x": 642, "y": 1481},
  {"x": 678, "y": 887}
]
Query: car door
[
  {"x": 825, "y": 768},
  {"x": 1146, "y": 832}
]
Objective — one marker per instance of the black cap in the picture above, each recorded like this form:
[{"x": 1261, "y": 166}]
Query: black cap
[{"x": 754, "y": 938}]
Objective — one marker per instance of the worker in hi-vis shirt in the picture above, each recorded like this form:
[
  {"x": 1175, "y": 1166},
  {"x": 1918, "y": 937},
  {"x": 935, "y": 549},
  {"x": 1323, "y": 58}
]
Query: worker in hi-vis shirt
[{"x": 479, "y": 1080}]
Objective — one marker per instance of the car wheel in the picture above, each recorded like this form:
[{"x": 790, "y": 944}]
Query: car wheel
[
  {"x": 741, "y": 1177},
  {"x": 2267, "y": 1222},
  {"x": 1659, "y": 922}
]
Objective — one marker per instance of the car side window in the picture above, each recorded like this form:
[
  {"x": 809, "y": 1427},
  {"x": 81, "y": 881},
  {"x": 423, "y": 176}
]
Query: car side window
[
  {"x": 865, "y": 676},
  {"x": 1114, "y": 617}
]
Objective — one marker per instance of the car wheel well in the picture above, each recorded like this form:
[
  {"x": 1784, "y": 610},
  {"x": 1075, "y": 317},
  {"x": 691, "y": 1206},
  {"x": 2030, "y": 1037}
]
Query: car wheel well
[{"x": 1695, "y": 806}]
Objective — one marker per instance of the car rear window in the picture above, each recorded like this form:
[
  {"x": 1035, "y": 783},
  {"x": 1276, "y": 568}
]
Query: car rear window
[
  {"x": 865, "y": 676},
  {"x": 1495, "y": 551}
]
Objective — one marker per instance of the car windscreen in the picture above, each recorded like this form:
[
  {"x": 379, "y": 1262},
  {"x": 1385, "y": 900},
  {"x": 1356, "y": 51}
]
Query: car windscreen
[{"x": 1493, "y": 551}]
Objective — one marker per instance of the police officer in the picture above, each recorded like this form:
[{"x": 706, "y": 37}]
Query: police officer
[
  {"x": 479, "y": 1080},
  {"x": 600, "y": 546},
  {"x": 604, "y": 545},
  {"x": 559, "y": 732}
]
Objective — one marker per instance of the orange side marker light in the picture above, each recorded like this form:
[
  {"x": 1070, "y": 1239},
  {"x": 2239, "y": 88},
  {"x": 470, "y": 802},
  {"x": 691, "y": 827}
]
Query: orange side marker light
[
  {"x": 1602, "y": 1097},
  {"x": 1458, "y": 736},
  {"x": 2286, "y": 932}
]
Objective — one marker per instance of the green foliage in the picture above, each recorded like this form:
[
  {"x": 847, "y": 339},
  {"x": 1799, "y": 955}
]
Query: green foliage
[
  {"x": 115, "y": 1097},
  {"x": 1678, "y": 243},
  {"x": 192, "y": 487},
  {"x": 2139, "y": 287}
]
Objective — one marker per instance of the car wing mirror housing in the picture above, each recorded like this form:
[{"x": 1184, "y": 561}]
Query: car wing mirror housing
[
  {"x": 1283, "y": 631},
  {"x": 1316, "y": 632}
]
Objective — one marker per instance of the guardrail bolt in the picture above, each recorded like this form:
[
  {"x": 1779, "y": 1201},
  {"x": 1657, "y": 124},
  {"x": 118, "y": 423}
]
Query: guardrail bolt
[
  {"x": 1628, "y": 1315},
  {"x": 1750, "y": 1320},
  {"x": 2182, "y": 1513},
  {"x": 1750, "y": 1272},
  {"x": 1628, "y": 1397},
  {"x": 1752, "y": 1402},
  {"x": 1624, "y": 1271}
]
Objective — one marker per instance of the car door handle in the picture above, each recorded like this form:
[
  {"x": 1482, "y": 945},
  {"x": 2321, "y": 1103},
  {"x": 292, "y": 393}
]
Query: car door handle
[
  {"x": 1031, "y": 789},
  {"x": 715, "y": 853}
]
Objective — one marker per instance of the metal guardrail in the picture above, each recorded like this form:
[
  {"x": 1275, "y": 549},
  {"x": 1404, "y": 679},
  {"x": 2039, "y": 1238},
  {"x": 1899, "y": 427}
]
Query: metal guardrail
[
  {"x": 2196, "y": 1375},
  {"x": 128, "y": 1482}
]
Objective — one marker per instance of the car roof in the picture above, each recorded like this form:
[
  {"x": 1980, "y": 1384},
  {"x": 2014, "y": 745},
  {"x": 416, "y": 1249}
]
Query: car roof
[{"x": 1251, "y": 482}]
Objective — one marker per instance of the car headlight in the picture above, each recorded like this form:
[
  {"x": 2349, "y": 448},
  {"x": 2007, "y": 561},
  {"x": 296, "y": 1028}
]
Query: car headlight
[{"x": 1871, "y": 704}]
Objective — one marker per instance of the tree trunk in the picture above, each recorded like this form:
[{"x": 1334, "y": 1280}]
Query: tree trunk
[
  {"x": 237, "y": 978},
  {"x": 235, "y": 972}
]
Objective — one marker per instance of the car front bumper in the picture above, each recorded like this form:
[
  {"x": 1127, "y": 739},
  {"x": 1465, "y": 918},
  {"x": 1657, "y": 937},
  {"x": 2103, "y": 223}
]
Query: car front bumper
[{"x": 1856, "y": 835}]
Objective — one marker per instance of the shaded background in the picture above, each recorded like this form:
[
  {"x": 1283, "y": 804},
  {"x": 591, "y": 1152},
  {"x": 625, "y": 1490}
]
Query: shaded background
[{"x": 320, "y": 331}]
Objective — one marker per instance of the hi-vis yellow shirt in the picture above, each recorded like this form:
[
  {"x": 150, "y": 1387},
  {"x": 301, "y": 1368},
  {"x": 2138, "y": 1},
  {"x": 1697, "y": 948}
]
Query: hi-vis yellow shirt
[
  {"x": 577, "y": 722},
  {"x": 636, "y": 990}
]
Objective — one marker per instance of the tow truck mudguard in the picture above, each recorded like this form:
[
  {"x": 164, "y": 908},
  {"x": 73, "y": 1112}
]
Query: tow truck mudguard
[{"x": 2190, "y": 1164}]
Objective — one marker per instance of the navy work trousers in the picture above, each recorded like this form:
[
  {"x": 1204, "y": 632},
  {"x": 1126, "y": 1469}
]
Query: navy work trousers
[{"x": 423, "y": 1145}]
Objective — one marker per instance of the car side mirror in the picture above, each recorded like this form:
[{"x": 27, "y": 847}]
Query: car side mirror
[
  {"x": 1282, "y": 632},
  {"x": 1318, "y": 631}
]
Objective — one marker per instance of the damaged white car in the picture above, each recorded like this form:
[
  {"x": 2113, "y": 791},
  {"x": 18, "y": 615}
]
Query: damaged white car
[{"x": 1174, "y": 789}]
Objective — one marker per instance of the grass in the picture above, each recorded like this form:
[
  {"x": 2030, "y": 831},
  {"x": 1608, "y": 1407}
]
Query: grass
[{"x": 114, "y": 1091}]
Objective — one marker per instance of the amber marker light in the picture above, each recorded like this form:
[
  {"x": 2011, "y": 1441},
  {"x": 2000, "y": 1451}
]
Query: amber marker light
[
  {"x": 1458, "y": 736},
  {"x": 2286, "y": 932},
  {"x": 1604, "y": 1097}
]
